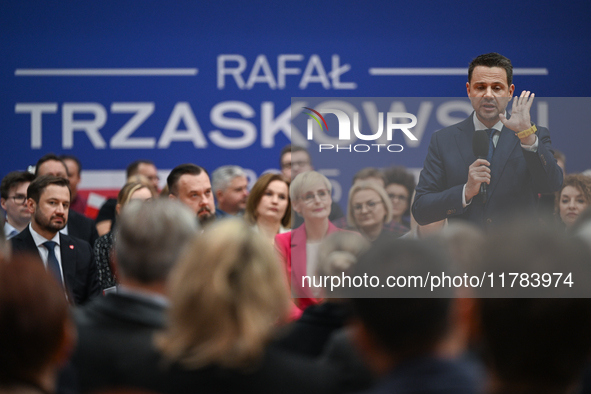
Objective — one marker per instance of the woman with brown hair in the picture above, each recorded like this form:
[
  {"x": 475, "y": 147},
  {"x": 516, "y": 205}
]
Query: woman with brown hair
[
  {"x": 573, "y": 198},
  {"x": 268, "y": 207}
]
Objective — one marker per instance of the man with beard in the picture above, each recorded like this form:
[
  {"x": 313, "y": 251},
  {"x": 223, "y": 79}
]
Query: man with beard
[
  {"x": 69, "y": 259},
  {"x": 520, "y": 162},
  {"x": 79, "y": 226},
  {"x": 190, "y": 184},
  {"x": 230, "y": 187}
]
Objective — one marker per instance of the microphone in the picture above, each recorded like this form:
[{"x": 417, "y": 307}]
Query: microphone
[{"x": 480, "y": 142}]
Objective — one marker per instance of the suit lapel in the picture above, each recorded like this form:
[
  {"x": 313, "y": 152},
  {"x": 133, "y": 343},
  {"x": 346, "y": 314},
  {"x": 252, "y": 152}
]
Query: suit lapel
[
  {"x": 464, "y": 140},
  {"x": 68, "y": 263},
  {"x": 506, "y": 144}
]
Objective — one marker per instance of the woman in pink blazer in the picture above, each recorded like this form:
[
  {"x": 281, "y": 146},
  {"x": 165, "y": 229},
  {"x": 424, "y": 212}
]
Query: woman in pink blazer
[{"x": 311, "y": 197}]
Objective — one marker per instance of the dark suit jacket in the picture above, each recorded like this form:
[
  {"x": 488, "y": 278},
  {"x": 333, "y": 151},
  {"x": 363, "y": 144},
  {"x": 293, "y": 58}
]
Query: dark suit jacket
[
  {"x": 517, "y": 176},
  {"x": 114, "y": 339},
  {"x": 81, "y": 227},
  {"x": 78, "y": 264},
  {"x": 116, "y": 349}
]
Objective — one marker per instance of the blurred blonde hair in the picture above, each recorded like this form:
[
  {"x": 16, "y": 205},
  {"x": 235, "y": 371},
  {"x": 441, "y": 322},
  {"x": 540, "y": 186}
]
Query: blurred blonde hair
[{"x": 227, "y": 293}]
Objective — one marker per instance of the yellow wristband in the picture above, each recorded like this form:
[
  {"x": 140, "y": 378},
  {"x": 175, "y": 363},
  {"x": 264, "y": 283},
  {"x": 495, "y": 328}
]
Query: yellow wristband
[{"x": 527, "y": 132}]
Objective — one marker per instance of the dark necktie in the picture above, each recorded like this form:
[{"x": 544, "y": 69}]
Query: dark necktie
[
  {"x": 491, "y": 146},
  {"x": 52, "y": 264}
]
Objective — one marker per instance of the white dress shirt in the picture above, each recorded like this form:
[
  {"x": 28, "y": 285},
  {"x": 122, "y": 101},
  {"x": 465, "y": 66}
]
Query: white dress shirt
[{"x": 44, "y": 253}]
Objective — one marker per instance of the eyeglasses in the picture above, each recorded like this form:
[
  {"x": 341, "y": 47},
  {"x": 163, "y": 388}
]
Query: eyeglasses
[
  {"x": 18, "y": 198},
  {"x": 371, "y": 205},
  {"x": 400, "y": 197},
  {"x": 301, "y": 163},
  {"x": 310, "y": 197}
]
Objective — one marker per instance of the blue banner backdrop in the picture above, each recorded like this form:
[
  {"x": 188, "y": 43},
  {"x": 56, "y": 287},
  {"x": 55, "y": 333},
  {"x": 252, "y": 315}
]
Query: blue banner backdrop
[{"x": 212, "y": 82}]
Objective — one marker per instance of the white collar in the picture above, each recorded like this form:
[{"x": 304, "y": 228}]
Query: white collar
[
  {"x": 478, "y": 125},
  {"x": 40, "y": 240}
]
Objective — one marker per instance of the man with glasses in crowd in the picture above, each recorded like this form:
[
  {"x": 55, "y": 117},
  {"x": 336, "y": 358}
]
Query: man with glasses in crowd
[{"x": 13, "y": 190}]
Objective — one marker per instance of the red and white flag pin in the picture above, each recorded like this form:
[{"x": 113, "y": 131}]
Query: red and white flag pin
[{"x": 72, "y": 247}]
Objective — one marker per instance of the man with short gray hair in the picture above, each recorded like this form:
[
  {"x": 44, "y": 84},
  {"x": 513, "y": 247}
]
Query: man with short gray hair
[
  {"x": 115, "y": 331},
  {"x": 230, "y": 187}
]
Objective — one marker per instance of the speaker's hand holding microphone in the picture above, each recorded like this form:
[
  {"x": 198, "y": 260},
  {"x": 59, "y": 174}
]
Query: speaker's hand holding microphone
[{"x": 479, "y": 171}]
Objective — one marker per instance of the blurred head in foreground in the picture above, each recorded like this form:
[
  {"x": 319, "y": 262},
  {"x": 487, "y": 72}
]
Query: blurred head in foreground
[
  {"x": 36, "y": 333},
  {"x": 227, "y": 293},
  {"x": 539, "y": 344}
]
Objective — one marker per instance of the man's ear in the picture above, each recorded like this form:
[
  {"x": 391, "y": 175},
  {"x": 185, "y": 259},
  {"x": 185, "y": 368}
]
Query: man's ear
[
  {"x": 171, "y": 197},
  {"x": 118, "y": 209},
  {"x": 31, "y": 205},
  {"x": 219, "y": 196},
  {"x": 468, "y": 88},
  {"x": 3, "y": 203}
]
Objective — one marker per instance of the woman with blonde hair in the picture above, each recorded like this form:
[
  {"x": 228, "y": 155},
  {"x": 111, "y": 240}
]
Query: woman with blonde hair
[
  {"x": 310, "y": 197},
  {"x": 369, "y": 209},
  {"x": 227, "y": 294},
  {"x": 268, "y": 207},
  {"x": 573, "y": 198},
  {"x": 104, "y": 245}
]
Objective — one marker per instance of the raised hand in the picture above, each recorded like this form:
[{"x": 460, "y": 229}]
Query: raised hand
[{"x": 520, "y": 117}]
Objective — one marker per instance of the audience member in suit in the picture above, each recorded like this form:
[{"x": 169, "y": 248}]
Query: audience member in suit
[
  {"x": 535, "y": 345},
  {"x": 230, "y": 187},
  {"x": 519, "y": 166},
  {"x": 69, "y": 259},
  {"x": 310, "y": 194},
  {"x": 227, "y": 295},
  {"x": 36, "y": 332},
  {"x": 401, "y": 338},
  {"x": 115, "y": 331},
  {"x": 190, "y": 184},
  {"x": 309, "y": 335},
  {"x": 79, "y": 226},
  {"x": 295, "y": 160},
  {"x": 104, "y": 245},
  {"x": 13, "y": 190}
]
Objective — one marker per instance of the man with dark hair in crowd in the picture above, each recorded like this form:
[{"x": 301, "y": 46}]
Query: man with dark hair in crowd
[
  {"x": 190, "y": 184},
  {"x": 401, "y": 346},
  {"x": 298, "y": 160},
  {"x": 69, "y": 259},
  {"x": 13, "y": 190},
  {"x": 145, "y": 168},
  {"x": 74, "y": 168},
  {"x": 79, "y": 226},
  {"x": 519, "y": 166},
  {"x": 115, "y": 331}
]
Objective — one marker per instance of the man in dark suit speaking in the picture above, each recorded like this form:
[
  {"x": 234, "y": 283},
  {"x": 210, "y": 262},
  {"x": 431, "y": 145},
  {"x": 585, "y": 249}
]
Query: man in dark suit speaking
[
  {"x": 69, "y": 259},
  {"x": 520, "y": 163}
]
